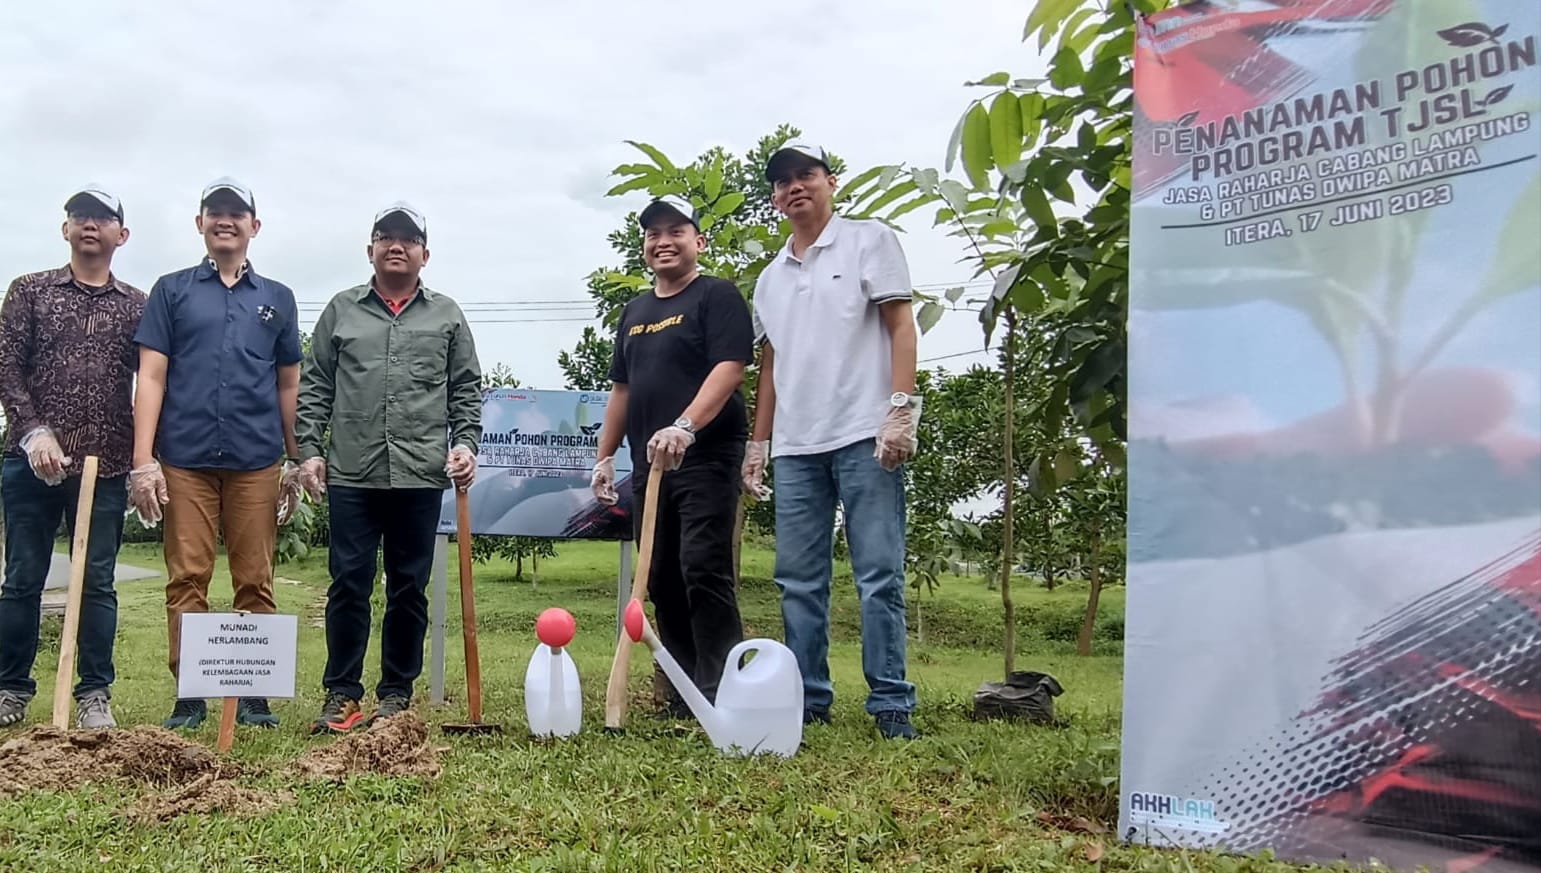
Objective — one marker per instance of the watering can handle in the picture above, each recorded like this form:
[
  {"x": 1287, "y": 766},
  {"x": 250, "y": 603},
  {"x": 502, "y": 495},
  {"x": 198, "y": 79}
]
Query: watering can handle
[{"x": 737, "y": 653}]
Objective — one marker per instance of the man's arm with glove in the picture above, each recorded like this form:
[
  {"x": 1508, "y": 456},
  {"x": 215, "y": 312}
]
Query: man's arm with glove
[
  {"x": 896, "y": 442},
  {"x": 602, "y": 482},
  {"x": 668, "y": 445}
]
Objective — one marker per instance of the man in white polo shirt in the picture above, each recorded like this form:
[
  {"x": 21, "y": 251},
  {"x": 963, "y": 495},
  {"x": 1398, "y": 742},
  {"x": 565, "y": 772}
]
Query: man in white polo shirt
[{"x": 837, "y": 379}]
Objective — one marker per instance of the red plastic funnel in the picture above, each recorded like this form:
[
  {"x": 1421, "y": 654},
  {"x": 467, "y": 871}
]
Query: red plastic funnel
[{"x": 634, "y": 620}]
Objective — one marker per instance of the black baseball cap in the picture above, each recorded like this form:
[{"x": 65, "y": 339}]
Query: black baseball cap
[
  {"x": 92, "y": 200},
  {"x": 667, "y": 205},
  {"x": 401, "y": 217},
  {"x": 794, "y": 156},
  {"x": 227, "y": 190}
]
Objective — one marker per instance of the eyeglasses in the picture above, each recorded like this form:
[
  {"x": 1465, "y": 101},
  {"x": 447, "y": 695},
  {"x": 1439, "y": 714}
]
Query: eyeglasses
[
  {"x": 378, "y": 237},
  {"x": 96, "y": 217}
]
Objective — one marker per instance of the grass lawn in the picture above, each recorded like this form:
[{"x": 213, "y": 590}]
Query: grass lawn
[{"x": 966, "y": 796}]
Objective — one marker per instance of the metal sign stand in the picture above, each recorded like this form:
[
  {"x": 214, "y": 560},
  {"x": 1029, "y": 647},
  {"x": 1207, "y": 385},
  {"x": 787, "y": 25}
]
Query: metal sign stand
[{"x": 440, "y": 594}]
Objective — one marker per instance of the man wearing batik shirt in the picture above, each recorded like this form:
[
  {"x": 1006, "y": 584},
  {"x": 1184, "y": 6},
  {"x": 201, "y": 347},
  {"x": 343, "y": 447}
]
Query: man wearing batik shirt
[
  {"x": 67, "y": 362},
  {"x": 219, "y": 382}
]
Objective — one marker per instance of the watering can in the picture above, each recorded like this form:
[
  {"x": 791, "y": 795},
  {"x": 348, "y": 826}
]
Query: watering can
[
  {"x": 759, "y": 705},
  {"x": 553, "y": 700}
]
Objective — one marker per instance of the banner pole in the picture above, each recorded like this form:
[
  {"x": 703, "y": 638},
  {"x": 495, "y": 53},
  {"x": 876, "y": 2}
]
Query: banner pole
[{"x": 436, "y": 651}]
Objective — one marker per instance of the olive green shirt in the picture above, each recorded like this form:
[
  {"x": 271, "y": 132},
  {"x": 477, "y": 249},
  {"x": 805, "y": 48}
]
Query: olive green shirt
[{"x": 396, "y": 390}]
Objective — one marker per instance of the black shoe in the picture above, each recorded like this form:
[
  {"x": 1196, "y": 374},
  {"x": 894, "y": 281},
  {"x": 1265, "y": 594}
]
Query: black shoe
[
  {"x": 391, "y": 704},
  {"x": 187, "y": 715},
  {"x": 817, "y": 716},
  {"x": 254, "y": 711},
  {"x": 339, "y": 714},
  {"x": 895, "y": 725}
]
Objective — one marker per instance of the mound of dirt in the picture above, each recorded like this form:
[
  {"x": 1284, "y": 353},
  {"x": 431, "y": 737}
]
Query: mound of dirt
[
  {"x": 193, "y": 779},
  {"x": 48, "y": 758},
  {"x": 395, "y": 746}
]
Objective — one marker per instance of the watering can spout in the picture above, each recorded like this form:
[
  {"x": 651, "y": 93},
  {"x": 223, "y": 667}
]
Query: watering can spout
[{"x": 700, "y": 707}]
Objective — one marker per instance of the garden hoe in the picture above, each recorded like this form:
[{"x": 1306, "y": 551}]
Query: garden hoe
[
  {"x": 615, "y": 690},
  {"x": 468, "y": 624}
]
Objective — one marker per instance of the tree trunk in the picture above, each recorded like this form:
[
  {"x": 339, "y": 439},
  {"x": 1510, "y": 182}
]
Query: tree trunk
[
  {"x": 1083, "y": 643},
  {"x": 518, "y": 567},
  {"x": 1008, "y": 544},
  {"x": 1048, "y": 548}
]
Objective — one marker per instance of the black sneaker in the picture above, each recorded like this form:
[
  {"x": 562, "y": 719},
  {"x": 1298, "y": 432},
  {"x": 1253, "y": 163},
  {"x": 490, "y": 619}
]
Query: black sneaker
[
  {"x": 389, "y": 705},
  {"x": 339, "y": 714},
  {"x": 186, "y": 715},
  {"x": 13, "y": 707},
  {"x": 254, "y": 711},
  {"x": 817, "y": 716},
  {"x": 895, "y": 725}
]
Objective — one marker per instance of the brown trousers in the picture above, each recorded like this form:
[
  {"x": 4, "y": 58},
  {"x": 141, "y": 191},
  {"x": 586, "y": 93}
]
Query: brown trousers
[{"x": 244, "y": 507}]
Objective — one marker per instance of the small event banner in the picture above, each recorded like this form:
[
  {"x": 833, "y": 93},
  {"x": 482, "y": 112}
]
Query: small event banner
[
  {"x": 1334, "y": 605},
  {"x": 534, "y": 465}
]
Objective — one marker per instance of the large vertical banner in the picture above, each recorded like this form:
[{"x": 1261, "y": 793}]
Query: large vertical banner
[
  {"x": 533, "y": 467},
  {"x": 1334, "y": 611}
]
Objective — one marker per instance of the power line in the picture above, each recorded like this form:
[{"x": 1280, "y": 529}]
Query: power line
[{"x": 957, "y": 355}]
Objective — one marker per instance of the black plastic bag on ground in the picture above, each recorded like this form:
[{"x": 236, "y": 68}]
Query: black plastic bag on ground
[{"x": 1025, "y": 696}]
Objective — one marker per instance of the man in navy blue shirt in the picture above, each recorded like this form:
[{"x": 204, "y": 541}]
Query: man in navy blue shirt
[{"x": 219, "y": 378}]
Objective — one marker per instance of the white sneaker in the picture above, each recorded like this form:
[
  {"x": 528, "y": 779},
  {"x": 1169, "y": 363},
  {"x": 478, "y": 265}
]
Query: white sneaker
[{"x": 92, "y": 713}]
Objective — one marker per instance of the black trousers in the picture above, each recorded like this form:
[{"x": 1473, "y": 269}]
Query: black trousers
[
  {"x": 406, "y": 520},
  {"x": 690, "y": 583}
]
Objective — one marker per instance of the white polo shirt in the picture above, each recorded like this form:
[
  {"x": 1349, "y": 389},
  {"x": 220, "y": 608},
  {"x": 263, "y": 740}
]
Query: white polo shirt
[{"x": 833, "y": 370}]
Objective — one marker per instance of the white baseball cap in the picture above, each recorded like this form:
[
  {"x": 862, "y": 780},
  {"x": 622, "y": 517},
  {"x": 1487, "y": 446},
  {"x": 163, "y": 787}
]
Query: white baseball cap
[
  {"x": 225, "y": 183},
  {"x": 402, "y": 211},
  {"x": 93, "y": 193}
]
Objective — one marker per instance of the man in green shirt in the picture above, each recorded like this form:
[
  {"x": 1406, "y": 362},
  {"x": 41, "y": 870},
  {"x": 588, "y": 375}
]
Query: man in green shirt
[{"x": 393, "y": 373}]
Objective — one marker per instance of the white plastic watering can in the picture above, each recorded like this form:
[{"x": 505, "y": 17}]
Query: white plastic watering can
[
  {"x": 553, "y": 700},
  {"x": 759, "y": 705}
]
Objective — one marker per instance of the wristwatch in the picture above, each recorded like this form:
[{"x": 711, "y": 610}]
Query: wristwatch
[
  {"x": 900, "y": 400},
  {"x": 683, "y": 423}
]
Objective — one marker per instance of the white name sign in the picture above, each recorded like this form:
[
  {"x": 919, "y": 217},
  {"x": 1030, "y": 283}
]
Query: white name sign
[{"x": 233, "y": 655}]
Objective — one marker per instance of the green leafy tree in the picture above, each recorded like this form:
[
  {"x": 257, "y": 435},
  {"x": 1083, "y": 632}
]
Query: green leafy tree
[{"x": 1019, "y": 147}]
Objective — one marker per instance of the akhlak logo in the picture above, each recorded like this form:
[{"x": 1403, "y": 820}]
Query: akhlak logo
[{"x": 1170, "y": 810}]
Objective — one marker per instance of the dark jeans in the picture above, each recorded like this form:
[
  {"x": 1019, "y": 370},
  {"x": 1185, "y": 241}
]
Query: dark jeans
[
  {"x": 691, "y": 579},
  {"x": 32, "y": 512},
  {"x": 407, "y": 520}
]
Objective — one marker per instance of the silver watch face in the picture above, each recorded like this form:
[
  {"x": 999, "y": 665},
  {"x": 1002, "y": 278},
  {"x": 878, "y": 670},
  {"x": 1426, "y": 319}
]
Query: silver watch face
[
  {"x": 899, "y": 399},
  {"x": 682, "y": 422}
]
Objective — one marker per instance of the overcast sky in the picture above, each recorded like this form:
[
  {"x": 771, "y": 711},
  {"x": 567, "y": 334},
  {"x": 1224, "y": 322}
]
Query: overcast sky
[{"x": 500, "y": 121}]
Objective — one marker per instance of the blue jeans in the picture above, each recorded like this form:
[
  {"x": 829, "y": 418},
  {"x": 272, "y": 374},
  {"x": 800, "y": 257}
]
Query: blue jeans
[
  {"x": 807, "y": 487},
  {"x": 32, "y": 513}
]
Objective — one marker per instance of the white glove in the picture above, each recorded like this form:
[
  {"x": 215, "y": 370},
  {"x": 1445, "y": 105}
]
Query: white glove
[
  {"x": 667, "y": 447},
  {"x": 602, "y": 483},
  {"x": 755, "y": 456},
  {"x": 147, "y": 493},
  {"x": 313, "y": 477},
  {"x": 44, "y": 455},
  {"x": 896, "y": 441},
  {"x": 290, "y": 483},
  {"x": 461, "y": 467}
]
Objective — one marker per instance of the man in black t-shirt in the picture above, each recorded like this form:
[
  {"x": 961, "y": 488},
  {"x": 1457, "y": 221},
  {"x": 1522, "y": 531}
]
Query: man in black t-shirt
[{"x": 680, "y": 353}]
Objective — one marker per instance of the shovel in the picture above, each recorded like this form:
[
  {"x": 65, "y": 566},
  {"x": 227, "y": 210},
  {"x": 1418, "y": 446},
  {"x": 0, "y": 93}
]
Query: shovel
[
  {"x": 76, "y": 591},
  {"x": 620, "y": 665},
  {"x": 468, "y": 625}
]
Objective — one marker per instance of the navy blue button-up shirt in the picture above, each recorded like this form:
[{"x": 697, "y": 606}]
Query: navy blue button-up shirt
[{"x": 224, "y": 346}]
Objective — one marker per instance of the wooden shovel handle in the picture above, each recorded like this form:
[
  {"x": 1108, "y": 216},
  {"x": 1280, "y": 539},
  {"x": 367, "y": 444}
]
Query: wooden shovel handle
[
  {"x": 468, "y": 605},
  {"x": 620, "y": 666}
]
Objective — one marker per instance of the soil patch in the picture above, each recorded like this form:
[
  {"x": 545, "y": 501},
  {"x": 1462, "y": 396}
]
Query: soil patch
[
  {"x": 48, "y": 758},
  {"x": 207, "y": 794},
  {"x": 193, "y": 778},
  {"x": 395, "y": 746}
]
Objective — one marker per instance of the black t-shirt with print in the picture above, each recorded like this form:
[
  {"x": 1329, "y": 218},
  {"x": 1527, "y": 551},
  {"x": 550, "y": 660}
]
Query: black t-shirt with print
[{"x": 664, "y": 350}]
